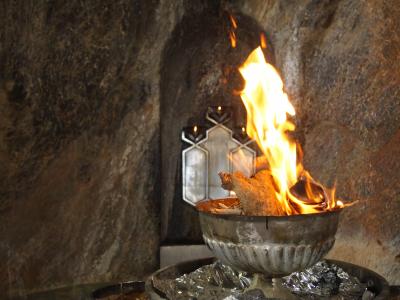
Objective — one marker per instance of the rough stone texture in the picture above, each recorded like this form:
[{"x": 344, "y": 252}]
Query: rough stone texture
[
  {"x": 340, "y": 61},
  {"x": 82, "y": 85},
  {"x": 79, "y": 140}
]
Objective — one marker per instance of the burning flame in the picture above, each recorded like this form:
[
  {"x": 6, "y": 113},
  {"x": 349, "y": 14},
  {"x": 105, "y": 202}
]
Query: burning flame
[
  {"x": 233, "y": 21},
  {"x": 263, "y": 41},
  {"x": 267, "y": 108},
  {"x": 232, "y": 34}
]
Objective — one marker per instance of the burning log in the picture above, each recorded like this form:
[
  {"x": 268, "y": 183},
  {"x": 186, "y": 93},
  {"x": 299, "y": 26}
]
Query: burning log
[
  {"x": 256, "y": 195},
  {"x": 230, "y": 206}
]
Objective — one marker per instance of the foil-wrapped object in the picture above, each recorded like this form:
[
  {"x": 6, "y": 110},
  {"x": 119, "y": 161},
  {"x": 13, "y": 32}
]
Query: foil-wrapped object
[
  {"x": 325, "y": 280},
  {"x": 220, "y": 282},
  {"x": 215, "y": 281}
]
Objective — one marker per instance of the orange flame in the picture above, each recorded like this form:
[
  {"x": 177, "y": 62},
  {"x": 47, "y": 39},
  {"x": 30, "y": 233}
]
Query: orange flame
[
  {"x": 263, "y": 41},
  {"x": 232, "y": 37},
  {"x": 233, "y": 21},
  {"x": 267, "y": 108},
  {"x": 232, "y": 34}
]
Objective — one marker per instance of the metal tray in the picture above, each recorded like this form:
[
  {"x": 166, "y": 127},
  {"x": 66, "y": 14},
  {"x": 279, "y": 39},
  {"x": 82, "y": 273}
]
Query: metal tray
[{"x": 378, "y": 284}]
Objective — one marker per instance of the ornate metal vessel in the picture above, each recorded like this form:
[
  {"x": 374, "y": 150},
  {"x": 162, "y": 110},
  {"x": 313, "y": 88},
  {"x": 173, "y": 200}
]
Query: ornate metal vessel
[{"x": 273, "y": 245}]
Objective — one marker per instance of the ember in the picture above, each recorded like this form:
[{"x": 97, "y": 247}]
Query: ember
[{"x": 285, "y": 188}]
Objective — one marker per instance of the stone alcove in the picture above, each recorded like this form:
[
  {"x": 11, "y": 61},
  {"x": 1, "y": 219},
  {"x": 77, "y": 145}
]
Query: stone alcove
[{"x": 199, "y": 69}]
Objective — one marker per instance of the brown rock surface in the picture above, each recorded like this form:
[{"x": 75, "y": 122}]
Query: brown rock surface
[{"x": 79, "y": 140}]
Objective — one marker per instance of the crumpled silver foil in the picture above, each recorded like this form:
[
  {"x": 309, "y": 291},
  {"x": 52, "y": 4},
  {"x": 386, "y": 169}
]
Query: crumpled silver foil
[
  {"x": 220, "y": 282},
  {"x": 325, "y": 279},
  {"x": 215, "y": 281}
]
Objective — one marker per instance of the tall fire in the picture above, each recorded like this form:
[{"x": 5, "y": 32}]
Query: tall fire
[{"x": 284, "y": 187}]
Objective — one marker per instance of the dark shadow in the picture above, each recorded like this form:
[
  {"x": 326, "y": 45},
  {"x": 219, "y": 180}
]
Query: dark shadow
[{"x": 199, "y": 69}]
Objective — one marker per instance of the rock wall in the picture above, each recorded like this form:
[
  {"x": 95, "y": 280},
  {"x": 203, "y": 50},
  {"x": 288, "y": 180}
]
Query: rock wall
[
  {"x": 79, "y": 140},
  {"x": 340, "y": 61},
  {"x": 85, "y": 85}
]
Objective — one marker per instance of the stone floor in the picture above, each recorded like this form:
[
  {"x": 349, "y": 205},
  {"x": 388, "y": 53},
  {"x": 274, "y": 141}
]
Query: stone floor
[{"x": 77, "y": 292}]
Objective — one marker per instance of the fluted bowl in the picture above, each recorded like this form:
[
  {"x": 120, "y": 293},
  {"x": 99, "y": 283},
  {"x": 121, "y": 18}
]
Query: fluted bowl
[{"x": 273, "y": 245}]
